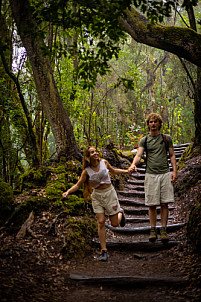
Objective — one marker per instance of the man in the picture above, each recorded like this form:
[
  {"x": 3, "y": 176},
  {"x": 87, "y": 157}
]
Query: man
[{"x": 158, "y": 178}]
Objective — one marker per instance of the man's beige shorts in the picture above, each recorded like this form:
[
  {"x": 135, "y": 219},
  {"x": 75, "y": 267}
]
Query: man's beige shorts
[
  {"x": 158, "y": 189},
  {"x": 105, "y": 201}
]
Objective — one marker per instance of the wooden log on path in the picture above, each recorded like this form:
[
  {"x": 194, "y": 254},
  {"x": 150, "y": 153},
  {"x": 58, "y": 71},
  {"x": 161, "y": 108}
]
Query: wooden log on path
[{"x": 134, "y": 281}]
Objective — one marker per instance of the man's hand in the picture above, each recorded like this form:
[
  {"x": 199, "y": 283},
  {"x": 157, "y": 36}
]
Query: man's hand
[
  {"x": 132, "y": 168},
  {"x": 174, "y": 176}
]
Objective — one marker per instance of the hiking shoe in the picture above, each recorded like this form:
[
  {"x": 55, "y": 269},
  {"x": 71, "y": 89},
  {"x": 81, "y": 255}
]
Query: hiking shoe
[
  {"x": 123, "y": 219},
  {"x": 164, "y": 236},
  {"x": 153, "y": 235},
  {"x": 103, "y": 255}
]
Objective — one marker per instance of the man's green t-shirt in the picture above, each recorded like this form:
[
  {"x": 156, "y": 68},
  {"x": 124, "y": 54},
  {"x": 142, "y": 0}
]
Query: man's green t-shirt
[{"x": 156, "y": 153}]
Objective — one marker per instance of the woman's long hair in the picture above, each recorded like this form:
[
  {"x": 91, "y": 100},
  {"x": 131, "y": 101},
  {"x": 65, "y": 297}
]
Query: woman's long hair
[{"x": 86, "y": 163}]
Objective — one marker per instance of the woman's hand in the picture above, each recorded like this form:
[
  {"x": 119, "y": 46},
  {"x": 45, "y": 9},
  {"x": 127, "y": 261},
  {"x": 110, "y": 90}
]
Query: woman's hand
[{"x": 65, "y": 194}]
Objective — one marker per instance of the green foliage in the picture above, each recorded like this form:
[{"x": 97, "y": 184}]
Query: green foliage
[
  {"x": 96, "y": 27},
  {"x": 155, "y": 10},
  {"x": 90, "y": 49}
]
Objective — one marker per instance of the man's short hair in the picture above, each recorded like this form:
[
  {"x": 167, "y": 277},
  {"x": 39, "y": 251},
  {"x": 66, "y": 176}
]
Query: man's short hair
[{"x": 156, "y": 116}]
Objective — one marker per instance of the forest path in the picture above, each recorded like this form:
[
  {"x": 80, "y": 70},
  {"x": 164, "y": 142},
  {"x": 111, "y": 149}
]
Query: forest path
[{"x": 137, "y": 270}]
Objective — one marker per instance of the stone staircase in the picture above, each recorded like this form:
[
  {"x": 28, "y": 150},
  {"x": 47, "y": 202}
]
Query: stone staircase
[
  {"x": 132, "y": 243},
  {"x": 136, "y": 232}
]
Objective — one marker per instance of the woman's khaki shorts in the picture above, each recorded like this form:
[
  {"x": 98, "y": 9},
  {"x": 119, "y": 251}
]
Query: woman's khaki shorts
[
  {"x": 158, "y": 189},
  {"x": 105, "y": 200}
]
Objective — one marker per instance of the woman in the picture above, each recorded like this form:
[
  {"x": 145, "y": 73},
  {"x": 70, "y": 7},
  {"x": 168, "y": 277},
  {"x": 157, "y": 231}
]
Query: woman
[{"x": 104, "y": 197}]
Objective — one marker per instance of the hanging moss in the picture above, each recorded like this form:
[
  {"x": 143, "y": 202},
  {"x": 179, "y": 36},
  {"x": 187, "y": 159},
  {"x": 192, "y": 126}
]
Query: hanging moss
[
  {"x": 6, "y": 201},
  {"x": 194, "y": 227}
]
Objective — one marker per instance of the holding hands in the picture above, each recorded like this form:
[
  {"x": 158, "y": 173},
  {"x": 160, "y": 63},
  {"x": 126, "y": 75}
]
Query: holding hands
[{"x": 132, "y": 169}]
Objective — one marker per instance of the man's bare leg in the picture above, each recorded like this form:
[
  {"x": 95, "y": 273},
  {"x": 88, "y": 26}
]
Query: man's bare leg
[{"x": 152, "y": 216}]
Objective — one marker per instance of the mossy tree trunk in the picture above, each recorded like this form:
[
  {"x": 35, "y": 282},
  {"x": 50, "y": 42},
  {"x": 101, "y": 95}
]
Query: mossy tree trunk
[
  {"x": 44, "y": 79},
  {"x": 197, "y": 109}
]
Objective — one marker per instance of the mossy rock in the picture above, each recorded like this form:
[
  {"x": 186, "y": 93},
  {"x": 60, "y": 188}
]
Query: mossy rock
[
  {"x": 194, "y": 227},
  {"x": 76, "y": 206},
  {"x": 21, "y": 212},
  {"x": 34, "y": 178},
  {"x": 190, "y": 152},
  {"x": 6, "y": 201},
  {"x": 80, "y": 234},
  {"x": 54, "y": 190}
]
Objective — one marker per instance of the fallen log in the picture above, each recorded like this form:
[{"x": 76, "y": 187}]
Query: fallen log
[{"x": 129, "y": 280}]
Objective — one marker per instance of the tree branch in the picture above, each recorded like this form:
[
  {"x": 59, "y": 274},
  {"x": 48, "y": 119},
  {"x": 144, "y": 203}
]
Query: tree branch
[{"x": 183, "y": 42}]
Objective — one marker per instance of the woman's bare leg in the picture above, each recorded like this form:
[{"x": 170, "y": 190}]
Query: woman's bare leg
[{"x": 101, "y": 229}]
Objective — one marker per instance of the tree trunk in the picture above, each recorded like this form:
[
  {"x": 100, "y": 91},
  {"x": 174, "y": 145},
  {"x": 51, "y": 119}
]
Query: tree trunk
[
  {"x": 197, "y": 109},
  {"x": 44, "y": 80}
]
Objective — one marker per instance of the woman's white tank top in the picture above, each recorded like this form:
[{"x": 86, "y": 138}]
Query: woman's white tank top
[{"x": 98, "y": 178}]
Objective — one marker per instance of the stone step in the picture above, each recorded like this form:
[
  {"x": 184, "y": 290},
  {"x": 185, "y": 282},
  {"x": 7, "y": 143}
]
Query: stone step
[
  {"x": 138, "y": 176},
  {"x": 144, "y": 229},
  {"x": 130, "y": 220},
  {"x": 142, "y": 211},
  {"x": 135, "y": 188},
  {"x": 132, "y": 193},
  {"x": 136, "y": 182},
  {"x": 131, "y": 202},
  {"x": 181, "y": 146},
  {"x": 135, "y": 245}
]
